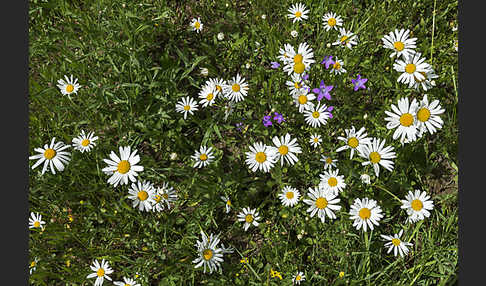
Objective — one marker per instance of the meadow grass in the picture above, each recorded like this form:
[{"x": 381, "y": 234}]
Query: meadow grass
[{"x": 136, "y": 59}]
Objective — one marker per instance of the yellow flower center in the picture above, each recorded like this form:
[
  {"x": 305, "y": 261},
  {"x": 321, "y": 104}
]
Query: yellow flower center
[
  {"x": 321, "y": 203},
  {"x": 203, "y": 157},
  {"x": 298, "y": 14},
  {"x": 235, "y": 87},
  {"x": 142, "y": 195},
  {"x": 260, "y": 157},
  {"x": 316, "y": 140},
  {"x": 219, "y": 88},
  {"x": 423, "y": 114},
  {"x": 344, "y": 39},
  {"x": 69, "y": 88},
  {"x": 100, "y": 272},
  {"x": 157, "y": 198},
  {"x": 328, "y": 160},
  {"x": 297, "y": 85},
  {"x": 298, "y": 278},
  {"x": 207, "y": 254},
  {"x": 228, "y": 202},
  {"x": 396, "y": 241},
  {"x": 353, "y": 142},
  {"x": 85, "y": 142},
  {"x": 375, "y": 157},
  {"x": 336, "y": 65},
  {"x": 298, "y": 58},
  {"x": 249, "y": 218},
  {"x": 123, "y": 167},
  {"x": 49, "y": 154},
  {"x": 364, "y": 213},
  {"x": 197, "y": 25},
  {"x": 302, "y": 99},
  {"x": 417, "y": 205},
  {"x": 187, "y": 107},
  {"x": 37, "y": 224},
  {"x": 331, "y": 22},
  {"x": 299, "y": 68},
  {"x": 406, "y": 119},
  {"x": 32, "y": 264},
  {"x": 165, "y": 196},
  {"x": 332, "y": 182},
  {"x": 315, "y": 114},
  {"x": 410, "y": 68},
  {"x": 283, "y": 150},
  {"x": 209, "y": 97},
  {"x": 289, "y": 195},
  {"x": 399, "y": 46}
]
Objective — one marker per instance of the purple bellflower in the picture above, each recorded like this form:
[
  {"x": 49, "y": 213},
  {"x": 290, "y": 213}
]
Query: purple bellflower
[
  {"x": 323, "y": 91},
  {"x": 359, "y": 82}
]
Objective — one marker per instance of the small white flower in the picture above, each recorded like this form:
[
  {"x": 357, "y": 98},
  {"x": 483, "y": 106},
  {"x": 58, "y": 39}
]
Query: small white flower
[
  {"x": 128, "y": 282},
  {"x": 101, "y": 272},
  {"x": 142, "y": 194},
  {"x": 249, "y": 216},
  {"x": 315, "y": 140},
  {"x": 203, "y": 157},
  {"x": 84, "y": 142},
  {"x": 418, "y": 205},
  {"x": 186, "y": 105},
  {"x": 365, "y": 179},
  {"x": 264, "y": 16},
  {"x": 220, "y": 36},
  {"x": 53, "y": 156},
  {"x": 289, "y": 196},
  {"x": 396, "y": 244},
  {"x": 35, "y": 221},
  {"x": 196, "y": 25},
  {"x": 69, "y": 86},
  {"x": 227, "y": 202},
  {"x": 299, "y": 277},
  {"x": 294, "y": 33},
  {"x": 204, "y": 71}
]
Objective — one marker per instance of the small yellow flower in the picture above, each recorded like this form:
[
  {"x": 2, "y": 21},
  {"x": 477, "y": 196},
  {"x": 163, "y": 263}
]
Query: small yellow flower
[
  {"x": 275, "y": 274},
  {"x": 244, "y": 260},
  {"x": 341, "y": 274},
  {"x": 71, "y": 218},
  {"x": 68, "y": 263}
]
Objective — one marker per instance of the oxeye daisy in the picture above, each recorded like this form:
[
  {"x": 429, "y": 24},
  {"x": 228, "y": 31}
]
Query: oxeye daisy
[
  {"x": 296, "y": 84},
  {"x": 209, "y": 254},
  {"x": 217, "y": 84},
  {"x": 323, "y": 202},
  {"x": 417, "y": 205},
  {"x": 186, "y": 105},
  {"x": 69, "y": 86},
  {"x": 53, "y": 156},
  {"x": 249, "y": 216},
  {"x": 207, "y": 95},
  {"x": 404, "y": 119},
  {"x": 142, "y": 194},
  {"x": 428, "y": 115},
  {"x": 163, "y": 197},
  {"x": 396, "y": 244},
  {"x": 303, "y": 99},
  {"x": 328, "y": 161},
  {"x": 332, "y": 181},
  {"x": 377, "y": 155},
  {"x": 84, "y": 142},
  {"x": 289, "y": 196},
  {"x": 399, "y": 42},
  {"x": 196, "y": 24},
  {"x": 428, "y": 82},
  {"x": 301, "y": 61},
  {"x": 261, "y": 157},
  {"x": 331, "y": 21},
  {"x": 33, "y": 265},
  {"x": 413, "y": 69},
  {"x": 236, "y": 89},
  {"x": 126, "y": 282},
  {"x": 317, "y": 116},
  {"x": 365, "y": 213},
  {"x": 101, "y": 272},
  {"x": 286, "y": 53},
  {"x": 124, "y": 167},
  {"x": 203, "y": 157},
  {"x": 315, "y": 140},
  {"x": 346, "y": 39},
  {"x": 354, "y": 140},
  {"x": 297, "y": 12},
  {"x": 35, "y": 221},
  {"x": 227, "y": 203},
  {"x": 298, "y": 277},
  {"x": 286, "y": 149},
  {"x": 337, "y": 67}
]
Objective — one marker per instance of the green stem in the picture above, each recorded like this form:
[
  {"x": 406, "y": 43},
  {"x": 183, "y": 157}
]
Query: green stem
[
  {"x": 433, "y": 30},
  {"x": 390, "y": 193}
]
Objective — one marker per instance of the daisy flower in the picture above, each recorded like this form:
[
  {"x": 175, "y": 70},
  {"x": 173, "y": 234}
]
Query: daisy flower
[
  {"x": 413, "y": 68},
  {"x": 164, "y": 195},
  {"x": 217, "y": 84},
  {"x": 365, "y": 179},
  {"x": 33, "y": 265},
  {"x": 297, "y": 12},
  {"x": 124, "y": 167},
  {"x": 331, "y": 21},
  {"x": 186, "y": 105},
  {"x": 426, "y": 83},
  {"x": 53, "y": 156},
  {"x": 287, "y": 148},
  {"x": 294, "y": 33},
  {"x": 396, "y": 244},
  {"x": 303, "y": 99},
  {"x": 323, "y": 202},
  {"x": 236, "y": 89},
  {"x": 289, "y": 196},
  {"x": 428, "y": 115},
  {"x": 285, "y": 53},
  {"x": 365, "y": 213},
  {"x": 101, "y": 272},
  {"x": 399, "y": 42},
  {"x": 196, "y": 24},
  {"x": 35, "y": 221},
  {"x": 404, "y": 119},
  {"x": 328, "y": 162},
  {"x": 296, "y": 84},
  {"x": 300, "y": 61},
  {"x": 317, "y": 116},
  {"x": 203, "y": 157},
  {"x": 298, "y": 277},
  {"x": 337, "y": 67},
  {"x": 84, "y": 142},
  {"x": 227, "y": 202},
  {"x": 209, "y": 254},
  {"x": 354, "y": 140},
  {"x": 346, "y": 39},
  {"x": 331, "y": 181},
  {"x": 249, "y": 216},
  {"x": 207, "y": 95},
  {"x": 261, "y": 157},
  {"x": 315, "y": 140},
  {"x": 378, "y": 155},
  {"x": 69, "y": 86},
  {"x": 418, "y": 205},
  {"x": 142, "y": 194},
  {"x": 127, "y": 282}
]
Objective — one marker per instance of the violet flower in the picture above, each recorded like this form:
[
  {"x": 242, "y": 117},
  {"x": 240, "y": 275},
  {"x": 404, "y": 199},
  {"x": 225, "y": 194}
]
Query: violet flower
[
  {"x": 278, "y": 117},
  {"x": 329, "y": 109},
  {"x": 359, "y": 82},
  {"x": 267, "y": 120},
  {"x": 305, "y": 76},
  {"x": 275, "y": 65},
  {"x": 323, "y": 91},
  {"x": 327, "y": 61}
]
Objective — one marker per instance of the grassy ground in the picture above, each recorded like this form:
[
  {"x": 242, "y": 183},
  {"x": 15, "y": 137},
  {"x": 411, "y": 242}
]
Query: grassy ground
[{"x": 135, "y": 59}]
